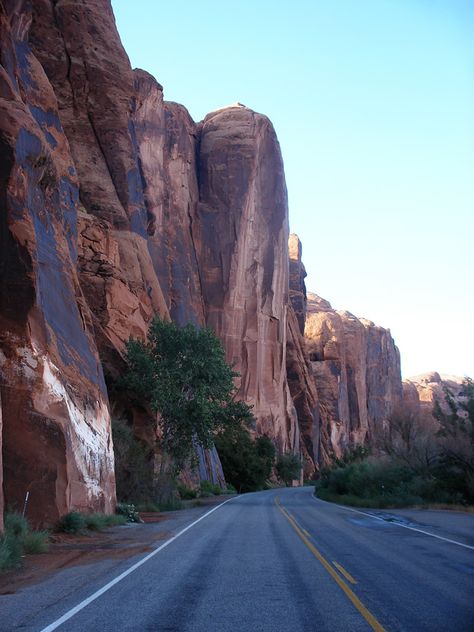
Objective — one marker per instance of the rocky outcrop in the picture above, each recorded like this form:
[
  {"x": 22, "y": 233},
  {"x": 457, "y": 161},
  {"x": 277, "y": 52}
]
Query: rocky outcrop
[
  {"x": 356, "y": 367},
  {"x": 301, "y": 379},
  {"x": 56, "y": 422},
  {"x": 241, "y": 235},
  {"x": 422, "y": 391}
]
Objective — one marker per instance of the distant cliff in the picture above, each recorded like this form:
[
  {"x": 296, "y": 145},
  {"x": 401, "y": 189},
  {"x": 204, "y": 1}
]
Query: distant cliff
[{"x": 355, "y": 369}]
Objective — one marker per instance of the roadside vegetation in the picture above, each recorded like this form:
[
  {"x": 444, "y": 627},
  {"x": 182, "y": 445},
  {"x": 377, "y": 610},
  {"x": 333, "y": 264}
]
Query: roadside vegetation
[
  {"x": 18, "y": 540},
  {"x": 417, "y": 465},
  {"x": 188, "y": 389}
]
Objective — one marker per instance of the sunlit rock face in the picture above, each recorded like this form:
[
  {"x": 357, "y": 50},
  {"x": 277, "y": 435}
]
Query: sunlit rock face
[
  {"x": 56, "y": 423},
  {"x": 356, "y": 368},
  {"x": 422, "y": 391},
  {"x": 241, "y": 234}
]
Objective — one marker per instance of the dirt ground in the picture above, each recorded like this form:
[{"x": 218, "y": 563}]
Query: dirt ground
[{"x": 72, "y": 550}]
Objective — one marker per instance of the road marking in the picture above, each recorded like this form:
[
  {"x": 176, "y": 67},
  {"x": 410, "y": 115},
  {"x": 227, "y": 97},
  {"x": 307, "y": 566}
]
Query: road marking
[
  {"x": 70, "y": 613},
  {"x": 365, "y": 513},
  {"x": 346, "y": 574},
  {"x": 308, "y": 535},
  {"x": 368, "y": 616}
]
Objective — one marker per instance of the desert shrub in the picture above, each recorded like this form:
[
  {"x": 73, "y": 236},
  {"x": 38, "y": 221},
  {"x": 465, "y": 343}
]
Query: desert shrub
[
  {"x": 288, "y": 467},
  {"x": 72, "y": 522},
  {"x": 171, "y": 504},
  {"x": 99, "y": 521},
  {"x": 186, "y": 493},
  {"x": 10, "y": 552},
  {"x": 128, "y": 511},
  {"x": 209, "y": 489},
  {"x": 35, "y": 542},
  {"x": 149, "y": 506},
  {"x": 16, "y": 524}
]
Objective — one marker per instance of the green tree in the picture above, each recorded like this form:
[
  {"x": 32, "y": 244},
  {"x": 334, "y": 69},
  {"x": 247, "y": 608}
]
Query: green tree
[
  {"x": 247, "y": 464},
  {"x": 288, "y": 467},
  {"x": 182, "y": 373}
]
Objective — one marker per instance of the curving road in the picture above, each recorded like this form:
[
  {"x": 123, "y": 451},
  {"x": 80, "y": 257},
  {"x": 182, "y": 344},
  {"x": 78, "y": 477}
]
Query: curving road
[{"x": 279, "y": 561}]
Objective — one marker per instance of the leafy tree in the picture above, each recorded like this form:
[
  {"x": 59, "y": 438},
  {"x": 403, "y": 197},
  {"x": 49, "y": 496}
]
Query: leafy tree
[
  {"x": 247, "y": 464},
  {"x": 288, "y": 467},
  {"x": 182, "y": 373}
]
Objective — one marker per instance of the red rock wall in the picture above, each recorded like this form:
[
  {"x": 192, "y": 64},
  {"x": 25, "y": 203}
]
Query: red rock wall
[
  {"x": 356, "y": 367},
  {"x": 56, "y": 424},
  {"x": 241, "y": 235}
]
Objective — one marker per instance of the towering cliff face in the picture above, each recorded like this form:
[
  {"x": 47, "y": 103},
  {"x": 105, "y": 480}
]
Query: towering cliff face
[
  {"x": 116, "y": 206},
  {"x": 56, "y": 424},
  {"x": 356, "y": 368},
  {"x": 241, "y": 234},
  {"x": 301, "y": 379}
]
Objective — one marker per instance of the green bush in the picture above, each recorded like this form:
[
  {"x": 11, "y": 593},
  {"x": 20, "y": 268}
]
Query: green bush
[
  {"x": 149, "y": 506},
  {"x": 128, "y": 511},
  {"x": 247, "y": 464},
  {"x": 99, "y": 521},
  {"x": 73, "y": 522},
  {"x": 35, "y": 542},
  {"x": 10, "y": 552},
  {"x": 186, "y": 493},
  {"x": 16, "y": 524},
  {"x": 288, "y": 467},
  {"x": 209, "y": 489},
  {"x": 172, "y": 504}
]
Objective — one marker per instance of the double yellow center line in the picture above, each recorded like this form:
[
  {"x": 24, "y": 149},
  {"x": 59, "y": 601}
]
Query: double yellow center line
[{"x": 368, "y": 616}]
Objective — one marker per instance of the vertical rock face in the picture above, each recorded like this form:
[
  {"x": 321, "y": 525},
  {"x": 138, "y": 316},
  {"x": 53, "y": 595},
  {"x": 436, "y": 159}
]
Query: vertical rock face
[
  {"x": 56, "y": 424},
  {"x": 357, "y": 372},
  {"x": 167, "y": 142},
  {"x": 301, "y": 379},
  {"x": 241, "y": 234}
]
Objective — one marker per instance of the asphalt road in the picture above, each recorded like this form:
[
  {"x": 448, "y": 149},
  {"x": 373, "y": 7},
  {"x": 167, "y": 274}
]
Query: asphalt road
[{"x": 274, "y": 561}]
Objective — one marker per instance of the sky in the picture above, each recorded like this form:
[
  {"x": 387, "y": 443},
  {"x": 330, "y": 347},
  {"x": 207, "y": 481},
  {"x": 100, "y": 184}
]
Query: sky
[{"x": 373, "y": 105}]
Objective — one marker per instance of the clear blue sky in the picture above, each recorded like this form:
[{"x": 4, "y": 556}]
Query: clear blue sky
[{"x": 373, "y": 104}]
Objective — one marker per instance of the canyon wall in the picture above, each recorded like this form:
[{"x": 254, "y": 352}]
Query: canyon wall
[
  {"x": 352, "y": 367},
  {"x": 56, "y": 421},
  {"x": 116, "y": 206}
]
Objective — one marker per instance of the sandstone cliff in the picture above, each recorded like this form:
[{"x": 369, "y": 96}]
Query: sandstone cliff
[
  {"x": 422, "y": 391},
  {"x": 356, "y": 367},
  {"x": 56, "y": 421},
  {"x": 116, "y": 206}
]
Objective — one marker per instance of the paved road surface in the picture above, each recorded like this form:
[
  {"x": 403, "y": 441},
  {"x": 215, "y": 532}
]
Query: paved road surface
[{"x": 277, "y": 561}]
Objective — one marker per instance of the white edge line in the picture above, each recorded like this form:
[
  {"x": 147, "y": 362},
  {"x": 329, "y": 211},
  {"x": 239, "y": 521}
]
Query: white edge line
[
  {"x": 364, "y": 513},
  {"x": 116, "y": 580}
]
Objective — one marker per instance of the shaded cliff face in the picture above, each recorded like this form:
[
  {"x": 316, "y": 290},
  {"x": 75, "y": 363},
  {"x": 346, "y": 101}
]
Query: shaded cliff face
[
  {"x": 356, "y": 368},
  {"x": 300, "y": 375},
  {"x": 241, "y": 235},
  {"x": 56, "y": 424}
]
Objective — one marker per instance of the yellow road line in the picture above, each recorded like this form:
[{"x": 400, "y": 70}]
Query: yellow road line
[
  {"x": 346, "y": 574},
  {"x": 368, "y": 616},
  {"x": 308, "y": 535}
]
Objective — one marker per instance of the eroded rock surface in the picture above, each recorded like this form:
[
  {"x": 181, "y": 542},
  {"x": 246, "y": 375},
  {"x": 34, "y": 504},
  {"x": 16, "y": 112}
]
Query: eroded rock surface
[
  {"x": 56, "y": 422},
  {"x": 422, "y": 391},
  {"x": 356, "y": 368},
  {"x": 241, "y": 235}
]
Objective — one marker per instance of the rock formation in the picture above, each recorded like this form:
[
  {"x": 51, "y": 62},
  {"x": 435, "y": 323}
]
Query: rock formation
[
  {"x": 116, "y": 206},
  {"x": 422, "y": 391},
  {"x": 56, "y": 421},
  {"x": 241, "y": 235},
  {"x": 356, "y": 367}
]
